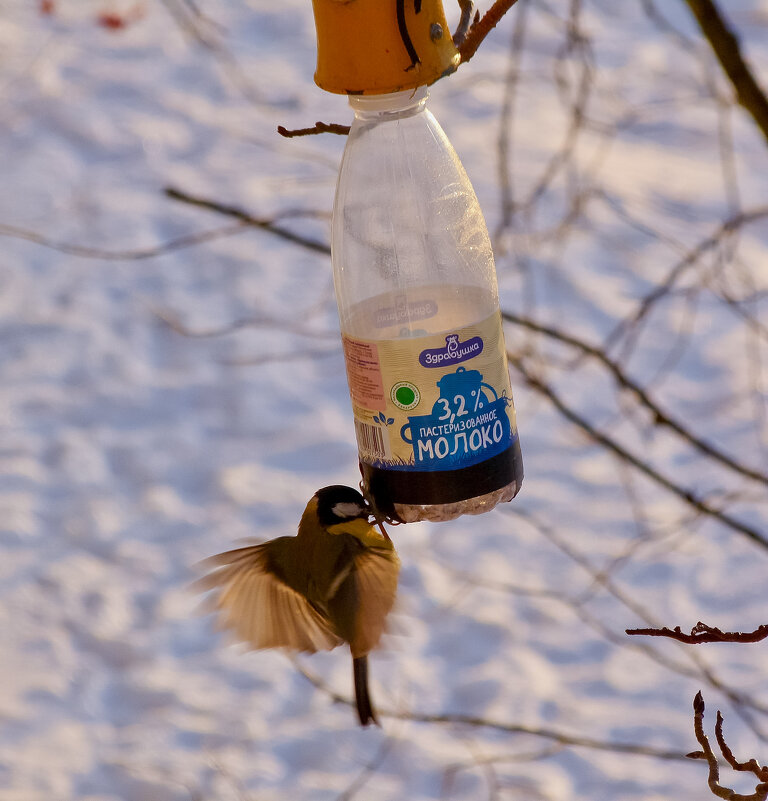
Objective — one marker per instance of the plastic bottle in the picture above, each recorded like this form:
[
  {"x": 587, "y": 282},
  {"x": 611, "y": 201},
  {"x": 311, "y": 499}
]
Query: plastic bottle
[{"x": 419, "y": 310}]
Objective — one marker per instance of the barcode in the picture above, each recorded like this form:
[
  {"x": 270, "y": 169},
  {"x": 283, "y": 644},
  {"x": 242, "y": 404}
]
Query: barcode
[{"x": 372, "y": 440}]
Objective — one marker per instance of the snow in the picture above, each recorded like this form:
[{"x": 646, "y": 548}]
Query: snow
[{"x": 159, "y": 406}]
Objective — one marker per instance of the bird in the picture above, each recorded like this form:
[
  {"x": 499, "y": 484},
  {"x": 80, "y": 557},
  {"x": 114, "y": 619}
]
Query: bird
[{"x": 334, "y": 582}]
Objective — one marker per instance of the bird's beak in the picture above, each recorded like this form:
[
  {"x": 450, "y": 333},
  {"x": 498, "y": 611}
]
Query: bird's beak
[
  {"x": 378, "y": 517},
  {"x": 360, "y": 528}
]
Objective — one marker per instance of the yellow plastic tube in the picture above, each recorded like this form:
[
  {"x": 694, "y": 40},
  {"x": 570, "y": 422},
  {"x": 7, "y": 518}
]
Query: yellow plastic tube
[{"x": 377, "y": 46}]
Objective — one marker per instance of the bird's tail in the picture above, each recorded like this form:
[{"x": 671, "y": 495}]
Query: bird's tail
[{"x": 362, "y": 696}]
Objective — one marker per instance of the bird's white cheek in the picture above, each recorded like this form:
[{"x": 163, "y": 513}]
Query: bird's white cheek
[{"x": 342, "y": 510}]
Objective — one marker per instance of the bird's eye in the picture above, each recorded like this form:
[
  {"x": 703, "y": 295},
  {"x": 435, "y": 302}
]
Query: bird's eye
[{"x": 343, "y": 510}]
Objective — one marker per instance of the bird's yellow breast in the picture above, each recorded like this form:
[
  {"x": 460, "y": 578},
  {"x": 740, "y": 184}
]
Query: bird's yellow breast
[{"x": 361, "y": 530}]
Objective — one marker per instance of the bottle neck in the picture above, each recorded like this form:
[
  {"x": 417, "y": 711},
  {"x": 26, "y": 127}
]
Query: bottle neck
[{"x": 389, "y": 106}]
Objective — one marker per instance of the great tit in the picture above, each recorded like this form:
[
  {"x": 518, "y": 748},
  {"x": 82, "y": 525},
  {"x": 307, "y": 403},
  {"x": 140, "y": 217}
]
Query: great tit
[{"x": 334, "y": 582}]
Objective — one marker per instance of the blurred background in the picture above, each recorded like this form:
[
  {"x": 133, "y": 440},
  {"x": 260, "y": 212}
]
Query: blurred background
[{"x": 172, "y": 381}]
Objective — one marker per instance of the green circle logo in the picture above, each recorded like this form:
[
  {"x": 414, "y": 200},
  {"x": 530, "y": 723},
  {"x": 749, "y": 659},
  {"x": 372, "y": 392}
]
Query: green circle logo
[{"x": 405, "y": 395}]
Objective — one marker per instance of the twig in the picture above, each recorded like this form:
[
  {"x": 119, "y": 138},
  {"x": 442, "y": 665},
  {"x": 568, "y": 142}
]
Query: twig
[
  {"x": 280, "y": 358},
  {"x": 368, "y": 770},
  {"x": 248, "y": 219},
  {"x": 561, "y": 737},
  {"x": 660, "y": 417},
  {"x": 761, "y": 791},
  {"x": 188, "y": 17},
  {"x": 753, "y": 766},
  {"x": 726, "y": 47},
  {"x": 664, "y": 25},
  {"x": 137, "y": 254},
  {"x": 743, "y": 704},
  {"x": 701, "y": 632},
  {"x": 482, "y": 27},
  {"x": 619, "y": 450},
  {"x": 317, "y": 128},
  {"x": 664, "y": 287},
  {"x": 467, "y": 7},
  {"x": 254, "y": 321},
  {"x": 574, "y": 42},
  {"x": 505, "y": 138}
]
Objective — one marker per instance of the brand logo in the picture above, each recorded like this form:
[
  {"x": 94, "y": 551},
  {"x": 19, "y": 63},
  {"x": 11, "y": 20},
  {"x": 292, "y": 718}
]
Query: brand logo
[
  {"x": 403, "y": 312},
  {"x": 452, "y": 352}
]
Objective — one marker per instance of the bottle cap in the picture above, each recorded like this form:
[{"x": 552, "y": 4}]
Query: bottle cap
[{"x": 381, "y": 46}]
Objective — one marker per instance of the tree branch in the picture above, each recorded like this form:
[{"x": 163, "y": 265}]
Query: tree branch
[
  {"x": 317, "y": 128},
  {"x": 248, "y": 219},
  {"x": 619, "y": 450},
  {"x": 467, "y": 7},
  {"x": 761, "y": 791},
  {"x": 561, "y": 737},
  {"x": 660, "y": 417},
  {"x": 482, "y": 27},
  {"x": 136, "y": 254},
  {"x": 725, "y": 45},
  {"x": 701, "y": 632},
  {"x": 663, "y": 288}
]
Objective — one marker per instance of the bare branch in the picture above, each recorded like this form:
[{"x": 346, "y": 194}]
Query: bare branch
[
  {"x": 725, "y": 45},
  {"x": 467, "y": 7},
  {"x": 368, "y": 770},
  {"x": 482, "y": 27},
  {"x": 136, "y": 254},
  {"x": 660, "y": 417},
  {"x": 664, "y": 25},
  {"x": 309, "y": 354},
  {"x": 506, "y": 128},
  {"x": 619, "y": 450},
  {"x": 248, "y": 219},
  {"x": 563, "y": 738},
  {"x": 204, "y": 30},
  {"x": 706, "y": 752},
  {"x": 317, "y": 128},
  {"x": 701, "y": 632},
  {"x": 761, "y": 791},
  {"x": 193, "y": 23},
  {"x": 752, "y": 766},
  {"x": 260, "y": 320},
  {"x": 664, "y": 287}
]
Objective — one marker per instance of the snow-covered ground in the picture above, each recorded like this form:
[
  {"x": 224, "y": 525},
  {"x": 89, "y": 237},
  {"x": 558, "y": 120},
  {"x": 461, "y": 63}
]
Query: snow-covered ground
[{"x": 163, "y": 398}]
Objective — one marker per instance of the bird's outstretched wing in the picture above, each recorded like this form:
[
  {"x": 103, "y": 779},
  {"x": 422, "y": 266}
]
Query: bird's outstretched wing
[
  {"x": 375, "y": 571},
  {"x": 258, "y": 607}
]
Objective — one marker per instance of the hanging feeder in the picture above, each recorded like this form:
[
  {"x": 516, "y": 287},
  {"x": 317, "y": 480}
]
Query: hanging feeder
[
  {"x": 414, "y": 274},
  {"x": 381, "y": 46}
]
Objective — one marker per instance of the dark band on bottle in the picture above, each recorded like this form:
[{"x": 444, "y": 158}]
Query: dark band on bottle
[{"x": 388, "y": 487}]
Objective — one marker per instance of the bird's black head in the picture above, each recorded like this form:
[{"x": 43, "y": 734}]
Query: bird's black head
[{"x": 338, "y": 503}]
